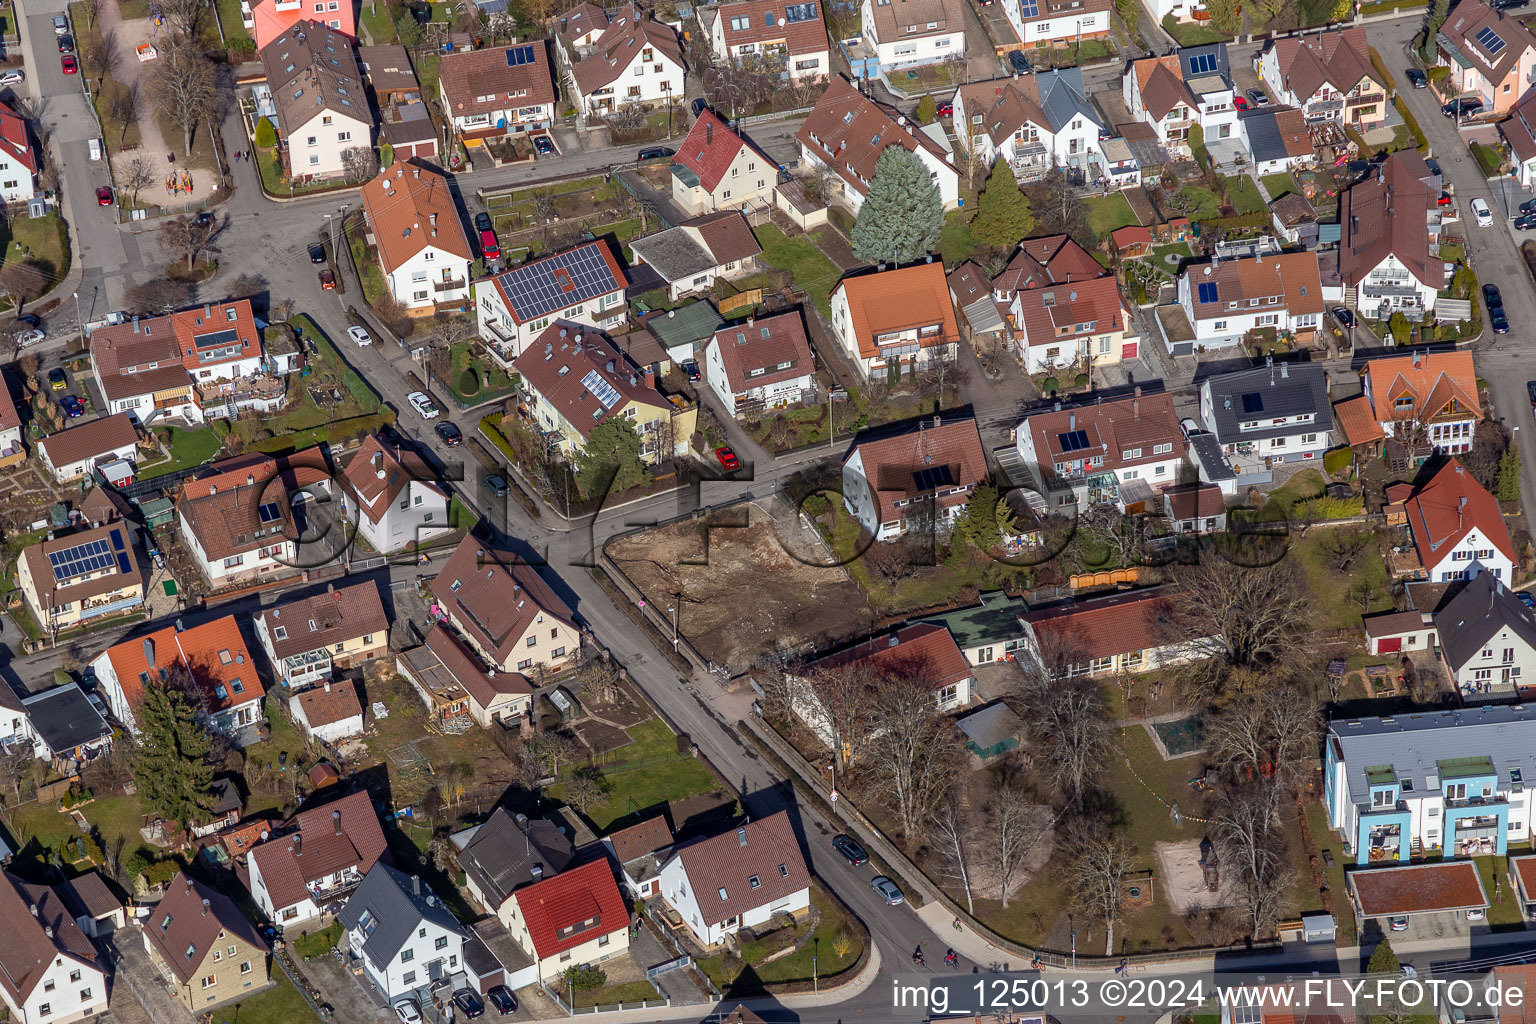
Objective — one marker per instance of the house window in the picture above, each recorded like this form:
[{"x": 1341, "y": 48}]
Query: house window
[
  {"x": 245, "y": 968},
  {"x": 210, "y": 981},
  {"x": 85, "y": 993},
  {"x": 526, "y": 663},
  {"x": 1456, "y": 791},
  {"x": 533, "y": 641},
  {"x": 754, "y": 881},
  {"x": 602, "y": 940},
  {"x": 343, "y": 136},
  {"x": 564, "y": 957},
  {"x": 49, "y": 985},
  {"x": 74, "y": 976},
  {"x": 407, "y": 955},
  {"x": 558, "y": 652},
  {"x": 44, "y": 1010},
  {"x": 408, "y": 978},
  {"x": 442, "y": 942}
]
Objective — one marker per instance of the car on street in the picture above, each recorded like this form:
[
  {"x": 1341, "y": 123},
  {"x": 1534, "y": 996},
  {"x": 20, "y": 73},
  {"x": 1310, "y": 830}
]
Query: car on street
[
  {"x": 104, "y": 196},
  {"x": 887, "y": 890},
  {"x": 497, "y": 485},
  {"x": 57, "y": 380},
  {"x": 72, "y": 406},
  {"x": 849, "y": 847},
  {"x": 66, "y": 44},
  {"x": 361, "y": 336},
  {"x": 465, "y": 1001},
  {"x": 1258, "y": 97},
  {"x": 30, "y": 319},
  {"x": 501, "y": 998},
  {"x": 1529, "y": 206},
  {"x": 1492, "y": 297},
  {"x": 328, "y": 280},
  {"x": 655, "y": 153},
  {"x": 1498, "y": 320},
  {"x": 483, "y": 221},
  {"x": 1018, "y": 61},
  {"x": 15, "y": 76},
  {"x": 423, "y": 405},
  {"x": 317, "y": 253},
  {"x": 1343, "y": 317},
  {"x": 407, "y": 1011},
  {"x": 1510, "y": 5},
  {"x": 1525, "y": 222},
  {"x": 1482, "y": 213},
  {"x": 69, "y": 65},
  {"x": 1444, "y": 199},
  {"x": 1398, "y": 923},
  {"x": 727, "y": 457},
  {"x": 1466, "y": 107},
  {"x": 60, "y": 24},
  {"x": 452, "y": 436},
  {"x": 31, "y": 337},
  {"x": 544, "y": 144},
  {"x": 691, "y": 368},
  {"x": 945, "y": 109},
  {"x": 1417, "y": 79},
  {"x": 1530, "y": 390},
  {"x": 489, "y": 247}
]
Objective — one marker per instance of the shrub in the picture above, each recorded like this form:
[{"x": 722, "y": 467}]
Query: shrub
[
  {"x": 386, "y": 155},
  {"x": 266, "y": 135},
  {"x": 1338, "y": 461},
  {"x": 467, "y": 382},
  {"x": 586, "y": 977},
  {"x": 1081, "y": 380},
  {"x": 1412, "y": 122},
  {"x": 927, "y": 109},
  {"x": 1050, "y": 386}
]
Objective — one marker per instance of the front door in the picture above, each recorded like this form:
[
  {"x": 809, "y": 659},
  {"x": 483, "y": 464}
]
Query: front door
[{"x": 435, "y": 970}]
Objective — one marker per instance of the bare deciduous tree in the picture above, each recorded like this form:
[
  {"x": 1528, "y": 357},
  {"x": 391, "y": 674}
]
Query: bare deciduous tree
[
  {"x": 123, "y": 110},
  {"x": 1096, "y": 871},
  {"x": 137, "y": 174},
  {"x": 359, "y": 164},
  {"x": 1343, "y": 547},
  {"x": 940, "y": 373},
  {"x": 910, "y": 761},
  {"x": 954, "y": 829},
  {"x": 1070, "y": 733},
  {"x": 157, "y": 295},
  {"x": 626, "y": 120},
  {"x": 1254, "y": 846},
  {"x": 1238, "y": 616},
  {"x": 588, "y": 787},
  {"x": 22, "y": 282},
  {"x": 184, "y": 16},
  {"x": 183, "y": 82},
  {"x": 1016, "y": 824},
  {"x": 189, "y": 237},
  {"x": 840, "y": 697}
]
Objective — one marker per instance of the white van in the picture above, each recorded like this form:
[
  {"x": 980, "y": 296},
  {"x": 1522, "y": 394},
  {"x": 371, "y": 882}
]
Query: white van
[{"x": 95, "y": 146}]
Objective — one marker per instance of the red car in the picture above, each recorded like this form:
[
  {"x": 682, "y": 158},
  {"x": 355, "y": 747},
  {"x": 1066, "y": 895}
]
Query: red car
[
  {"x": 104, "y": 196},
  {"x": 328, "y": 280},
  {"x": 71, "y": 66},
  {"x": 489, "y": 246},
  {"x": 1240, "y": 103},
  {"x": 727, "y": 457},
  {"x": 945, "y": 109}
]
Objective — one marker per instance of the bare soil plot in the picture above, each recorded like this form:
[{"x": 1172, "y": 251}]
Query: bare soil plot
[
  {"x": 1183, "y": 880},
  {"x": 742, "y": 594}
]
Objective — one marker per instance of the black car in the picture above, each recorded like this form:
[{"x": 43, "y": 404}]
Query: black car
[
  {"x": 1463, "y": 108},
  {"x": 468, "y": 1003},
  {"x": 502, "y": 999},
  {"x": 1510, "y": 5},
  {"x": 451, "y": 435},
  {"x": 691, "y": 368},
  {"x": 1529, "y": 206},
  {"x": 1492, "y": 297},
  {"x": 655, "y": 153},
  {"x": 850, "y": 849},
  {"x": 317, "y": 253},
  {"x": 1344, "y": 317},
  {"x": 483, "y": 222},
  {"x": 1530, "y": 389},
  {"x": 497, "y": 485},
  {"x": 30, "y": 319},
  {"x": 543, "y": 144},
  {"x": 66, "y": 44},
  {"x": 1417, "y": 79},
  {"x": 1018, "y": 61},
  {"x": 1525, "y": 222},
  {"x": 1498, "y": 321},
  {"x": 699, "y": 106}
]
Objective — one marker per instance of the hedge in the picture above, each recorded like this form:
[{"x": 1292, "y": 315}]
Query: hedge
[
  {"x": 1338, "y": 460},
  {"x": 1419, "y": 142},
  {"x": 1238, "y": 222},
  {"x": 1381, "y": 69},
  {"x": 1329, "y": 508},
  {"x": 490, "y": 426},
  {"x": 331, "y": 433},
  {"x": 355, "y": 385}
]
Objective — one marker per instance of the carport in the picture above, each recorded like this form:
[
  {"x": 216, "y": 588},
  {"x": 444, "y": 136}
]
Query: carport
[{"x": 1434, "y": 898}]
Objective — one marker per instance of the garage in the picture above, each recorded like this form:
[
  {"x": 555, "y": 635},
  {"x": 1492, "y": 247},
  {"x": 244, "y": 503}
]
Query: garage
[
  {"x": 1423, "y": 900},
  {"x": 1399, "y": 632}
]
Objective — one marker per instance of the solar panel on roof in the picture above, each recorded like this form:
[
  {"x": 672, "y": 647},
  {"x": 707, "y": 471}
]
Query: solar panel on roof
[
  {"x": 215, "y": 339},
  {"x": 1208, "y": 291},
  {"x": 1489, "y": 40},
  {"x": 118, "y": 552},
  {"x": 1073, "y": 440},
  {"x": 534, "y": 290},
  {"x": 92, "y": 556},
  {"x": 931, "y": 477},
  {"x": 517, "y": 56},
  {"x": 1029, "y": 8},
  {"x": 269, "y": 512},
  {"x": 601, "y": 389},
  {"x": 1253, "y": 402},
  {"x": 1202, "y": 63}
]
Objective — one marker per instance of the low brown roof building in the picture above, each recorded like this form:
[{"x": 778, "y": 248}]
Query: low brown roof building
[
  {"x": 1417, "y": 889},
  {"x": 304, "y": 637},
  {"x": 76, "y": 451}
]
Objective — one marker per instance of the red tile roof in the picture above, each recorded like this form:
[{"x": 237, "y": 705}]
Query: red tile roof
[
  {"x": 1448, "y": 507},
  {"x": 14, "y": 139},
  {"x": 1134, "y": 234},
  {"x": 377, "y": 473},
  {"x": 800, "y": 37},
  {"x": 193, "y": 918},
  {"x": 485, "y": 685},
  {"x": 1292, "y": 278},
  {"x": 650, "y": 835},
  {"x": 495, "y": 594},
  {"x": 1525, "y": 870},
  {"x": 764, "y": 344},
  {"x": 410, "y": 210},
  {"x": 709, "y": 150},
  {"x": 95, "y": 437},
  {"x": 1060, "y": 314},
  {"x": 1433, "y": 380},
  {"x": 1112, "y": 428},
  {"x": 614, "y": 53},
  {"x": 467, "y": 76},
  {"x": 722, "y": 869},
  {"x": 324, "y": 845},
  {"x": 1078, "y": 631},
  {"x": 557, "y": 366},
  {"x": 214, "y": 653},
  {"x": 1522, "y": 977},
  {"x": 901, "y": 299},
  {"x": 921, "y": 650},
  {"x": 893, "y": 465},
  {"x": 334, "y": 701},
  {"x": 570, "y": 900},
  {"x": 325, "y": 620},
  {"x": 1195, "y": 501},
  {"x": 1358, "y": 422},
  {"x": 1417, "y": 888}
]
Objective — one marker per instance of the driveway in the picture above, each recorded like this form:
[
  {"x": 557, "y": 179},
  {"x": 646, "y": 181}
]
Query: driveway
[{"x": 137, "y": 978}]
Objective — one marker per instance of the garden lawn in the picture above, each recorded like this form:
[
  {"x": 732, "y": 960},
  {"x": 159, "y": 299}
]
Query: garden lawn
[
  {"x": 630, "y": 993},
  {"x": 1487, "y": 158},
  {"x": 318, "y": 943},
  {"x": 955, "y": 242},
  {"x": 796, "y": 967},
  {"x": 1243, "y": 194},
  {"x": 929, "y": 587},
  {"x": 368, "y": 270},
  {"x": 115, "y": 817},
  {"x": 272, "y": 178},
  {"x": 1192, "y": 35},
  {"x": 188, "y": 448},
  {"x": 1199, "y": 203},
  {"x": 1503, "y": 909},
  {"x": 374, "y": 16},
  {"x": 234, "y": 28},
  {"x": 280, "y": 1004},
  {"x": 41, "y": 241},
  {"x": 1325, "y": 839},
  {"x": 807, "y": 264},
  {"x": 1335, "y": 606},
  {"x": 463, "y": 365},
  {"x": 1278, "y": 185},
  {"x": 654, "y": 774},
  {"x": 1108, "y": 213}
]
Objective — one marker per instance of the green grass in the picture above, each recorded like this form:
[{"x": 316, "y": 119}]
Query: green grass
[
  {"x": 1308, "y": 483},
  {"x": 459, "y": 360},
  {"x": 924, "y": 589},
  {"x": 426, "y": 74},
  {"x": 1335, "y": 606},
  {"x": 1243, "y": 194},
  {"x": 188, "y": 448},
  {"x": 1504, "y": 908},
  {"x": 630, "y": 993},
  {"x": 375, "y": 17},
  {"x": 1488, "y": 158},
  {"x": 1198, "y": 203},
  {"x": 280, "y": 1004},
  {"x": 1192, "y": 35},
  {"x": 273, "y": 179},
  {"x": 808, "y": 265},
  {"x": 368, "y": 269},
  {"x": 41, "y": 241},
  {"x": 318, "y": 943},
  {"x": 1109, "y": 213},
  {"x": 117, "y": 818},
  {"x": 234, "y": 29},
  {"x": 460, "y": 515},
  {"x": 659, "y": 774},
  {"x": 1279, "y": 184},
  {"x": 1326, "y": 839},
  {"x": 796, "y": 967}
]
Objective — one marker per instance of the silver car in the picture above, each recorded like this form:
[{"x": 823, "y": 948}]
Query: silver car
[
  {"x": 888, "y": 890},
  {"x": 407, "y": 1011}
]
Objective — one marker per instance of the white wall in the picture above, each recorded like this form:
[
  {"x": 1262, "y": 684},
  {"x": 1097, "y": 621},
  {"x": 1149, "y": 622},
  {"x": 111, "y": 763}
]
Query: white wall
[
  {"x": 677, "y": 889},
  {"x": 331, "y": 732},
  {"x": 316, "y": 147},
  {"x": 658, "y": 80},
  {"x": 288, "y": 916},
  {"x": 1463, "y": 561},
  {"x": 75, "y": 470},
  {"x": 414, "y": 283},
  {"x": 278, "y": 557},
  {"x": 507, "y": 339},
  {"x": 913, "y": 50},
  {"x": 401, "y": 977},
  {"x": 1064, "y": 28},
  {"x": 79, "y": 991},
  {"x": 16, "y": 182},
  {"x": 425, "y": 517}
]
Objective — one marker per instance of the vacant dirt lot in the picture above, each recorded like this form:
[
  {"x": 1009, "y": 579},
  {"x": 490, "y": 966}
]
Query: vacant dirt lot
[{"x": 743, "y": 595}]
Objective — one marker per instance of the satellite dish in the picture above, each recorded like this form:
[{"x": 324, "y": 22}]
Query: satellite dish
[{"x": 1207, "y": 271}]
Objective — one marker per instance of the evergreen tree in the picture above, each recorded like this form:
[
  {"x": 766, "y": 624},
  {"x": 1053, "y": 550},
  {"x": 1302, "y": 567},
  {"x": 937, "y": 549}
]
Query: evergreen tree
[
  {"x": 1438, "y": 10},
  {"x": 1508, "y": 488},
  {"x": 168, "y": 768},
  {"x": 901, "y": 217},
  {"x": 984, "y": 519},
  {"x": 612, "y": 450},
  {"x": 927, "y": 109},
  {"x": 1401, "y": 329},
  {"x": 1003, "y": 217},
  {"x": 1383, "y": 960}
]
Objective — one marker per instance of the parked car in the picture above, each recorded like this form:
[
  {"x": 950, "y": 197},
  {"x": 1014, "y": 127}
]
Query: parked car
[
  {"x": 60, "y": 24},
  {"x": 66, "y": 44},
  {"x": 361, "y": 336},
  {"x": 1469, "y": 107},
  {"x": 1343, "y": 317},
  {"x": 104, "y": 196},
  {"x": 1525, "y": 222},
  {"x": 1476, "y": 914},
  {"x": 489, "y": 247},
  {"x": 1492, "y": 297},
  {"x": 1417, "y": 79},
  {"x": 1498, "y": 320},
  {"x": 887, "y": 890},
  {"x": 317, "y": 253},
  {"x": 691, "y": 368},
  {"x": 1530, "y": 389},
  {"x": 452, "y": 436},
  {"x": 655, "y": 153},
  {"x": 483, "y": 221},
  {"x": 849, "y": 847},
  {"x": 1510, "y": 5},
  {"x": 1240, "y": 102},
  {"x": 1398, "y": 923},
  {"x": 1018, "y": 61},
  {"x": 407, "y": 1011},
  {"x": 423, "y": 405},
  {"x": 502, "y": 998},
  {"x": 699, "y": 106},
  {"x": 15, "y": 76},
  {"x": 57, "y": 380},
  {"x": 1258, "y": 97},
  {"x": 465, "y": 1001},
  {"x": 1444, "y": 199},
  {"x": 328, "y": 280},
  {"x": 69, "y": 65},
  {"x": 1526, "y": 598},
  {"x": 72, "y": 406},
  {"x": 31, "y": 337},
  {"x": 727, "y": 457},
  {"x": 1482, "y": 213},
  {"x": 544, "y": 144},
  {"x": 945, "y": 109},
  {"x": 497, "y": 485}
]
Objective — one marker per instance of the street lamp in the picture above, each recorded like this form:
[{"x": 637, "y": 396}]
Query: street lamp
[
  {"x": 673, "y": 609},
  {"x": 79, "y": 323}
]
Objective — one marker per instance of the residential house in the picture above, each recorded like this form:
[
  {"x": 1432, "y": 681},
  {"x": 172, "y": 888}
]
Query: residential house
[
  {"x": 80, "y": 577},
  {"x": 986, "y": 632},
  {"x": 212, "y": 656},
  {"x": 307, "y": 637},
  {"x": 388, "y": 72},
  {"x": 906, "y": 34},
  {"x": 783, "y": 34},
  {"x": 1058, "y": 22},
  {"x": 1184, "y": 89},
  {"x": 1034, "y": 122},
  {"x": 1428, "y": 397},
  {"x": 402, "y": 932},
  {"x": 499, "y": 91},
  {"x": 635, "y": 63},
  {"x": 12, "y": 451},
  {"x": 638, "y": 852},
  {"x": 1433, "y": 782},
  {"x": 452, "y": 680},
  {"x": 921, "y": 654},
  {"x": 421, "y": 244},
  {"x": 576, "y": 379},
  {"x": 49, "y": 971},
  {"x": 18, "y": 160},
  {"x": 395, "y": 495},
  {"x": 1277, "y": 139},
  {"x": 203, "y": 946},
  {"x": 760, "y": 364},
  {"x": 715, "y": 169},
  {"x": 1227, "y": 298},
  {"x": 1119, "y": 451},
  {"x": 1328, "y": 76},
  {"x": 846, "y": 133},
  {"x": 506, "y": 611},
  {"x": 316, "y": 89},
  {"x": 404, "y": 123},
  {"x": 1195, "y": 508},
  {"x": 1117, "y": 634},
  {"x": 66, "y": 730},
  {"x": 268, "y": 20},
  {"x": 73, "y": 453},
  {"x": 900, "y": 317},
  {"x": 1491, "y": 55},
  {"x": 1065, "y": 309},
  {"x": 203, "y": 363},
  {"x": 583, "y": 284},
  {"x": 575, "y": 918},
  {"x": 1487, "y": 641},
  {"x": 1457, "y": 526},
  {"x": 507, "y": 852},
  {"x": 1269, "y": 413},
  {"x": 683, "y": 332},
  {"x": 971, "y": 291},
  {"x": 1389, "y": 245},
  {"x": 579, "y": 29},
  {"x": 237, "y": 528},
  {"x": 222, "y": 806},
  {"x": 314, "y": 859},
  {"x": 739, "y": 879},
  {"x": 329, "y": 712},
  {"x": 694, "y": 255},
  {"x": 915, "y": 482},
  {"x": 1519, "y": 131}
]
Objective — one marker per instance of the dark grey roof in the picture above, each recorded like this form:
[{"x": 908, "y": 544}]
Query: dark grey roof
[
  {"x": 1062, "y": 97},
  {"x": 1191, "y": 59},
  {"x": 503, "y": 852},
  {"x": 674, "y": 253},
  {"x": 65, "y": 719},
  {"x": 1213, "y": 462},
  {"x": 1413, "y": 744},
  {"x": 1483, "y": 609},
  {"x": 1264, "y": 139},
  {"x": 88, "y": 896},
  {"x": 491, "y": 948},
  {"x": 1267, "y": 393},
  {"x": 396, "y": 905},
  {"x": 990, "y": 726}
]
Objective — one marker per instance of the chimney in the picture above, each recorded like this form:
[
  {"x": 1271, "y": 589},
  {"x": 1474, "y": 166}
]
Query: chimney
[
  {"x": 1071, "y": 421},
  {"x": 250, "y": 480},
  {"x": 336, "y": 822},
  {"x": 298, "y": 844},
  {"x": 330, "y": 588},
  {"x": 935, "y": 421},
  {"x": 205, "y": 908},
  {"x": 34, "y": 910},
  {"x": 1285, "y": 371},
  {"x": 327, "y": 686},
  {"x": 149, "y": 652},
  {"x": 537, "y": 872},
  {"x": 48, "y": 929},
  {"x": 650, "y": 378},
  {"x": 709, "y": 133},
  {"x": 189, "y": 887}
]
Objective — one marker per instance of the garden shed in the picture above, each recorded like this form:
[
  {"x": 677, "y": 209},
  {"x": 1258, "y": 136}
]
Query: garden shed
[{"x": 991, "y": 732}]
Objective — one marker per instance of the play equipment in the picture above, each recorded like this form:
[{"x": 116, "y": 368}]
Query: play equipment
[{"x": 146, "y": 52}]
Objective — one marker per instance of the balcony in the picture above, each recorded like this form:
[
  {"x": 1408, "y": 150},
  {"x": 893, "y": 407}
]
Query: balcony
[
  {"x": 449, "y": 286},
  {"x": 1476, "y": 801},
  {"x": 331, "y": 889}
]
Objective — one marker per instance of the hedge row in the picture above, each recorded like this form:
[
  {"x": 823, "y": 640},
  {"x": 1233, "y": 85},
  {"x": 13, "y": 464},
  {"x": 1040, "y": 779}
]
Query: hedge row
[
  {"x": 1238, "y": 222},
  {"x": 331, "y": 433},
  {"x": 1420, "y": 143}
]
